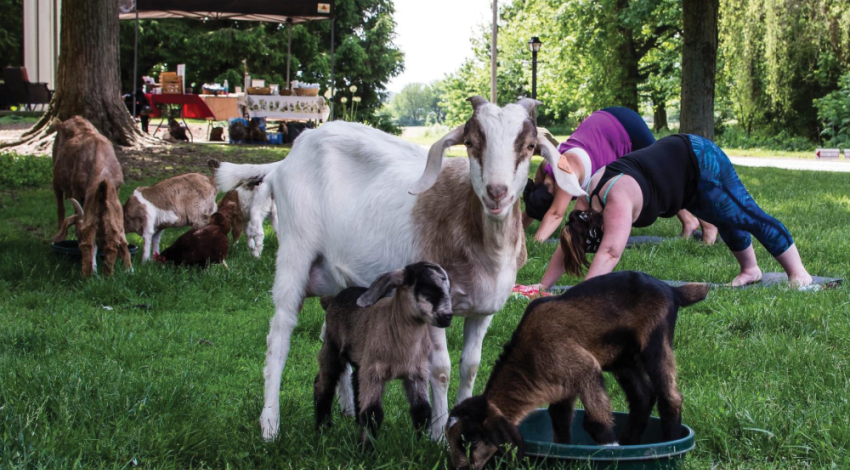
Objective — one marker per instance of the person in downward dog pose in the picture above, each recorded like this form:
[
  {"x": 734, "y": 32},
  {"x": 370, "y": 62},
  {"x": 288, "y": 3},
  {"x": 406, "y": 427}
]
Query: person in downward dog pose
[
  {"x": 599, "y": 140},
  {"x": 678, "y": 172}
]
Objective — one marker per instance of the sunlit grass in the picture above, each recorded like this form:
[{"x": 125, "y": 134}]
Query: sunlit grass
[{"x": 170, "y": 376}]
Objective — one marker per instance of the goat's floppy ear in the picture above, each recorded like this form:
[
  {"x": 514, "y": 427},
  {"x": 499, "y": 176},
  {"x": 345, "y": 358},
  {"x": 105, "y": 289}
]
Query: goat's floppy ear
[
  {"x": 566, "y": 179},
  {"x": 54, "y": 125},
  {"x": 385, "y": 283},
  {"x": 435, "y": 161},
  {"x": 500, "y": 431}
]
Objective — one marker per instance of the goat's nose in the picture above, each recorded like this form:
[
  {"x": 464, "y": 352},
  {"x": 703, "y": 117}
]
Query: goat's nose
[{"x": 497, "y": 192}]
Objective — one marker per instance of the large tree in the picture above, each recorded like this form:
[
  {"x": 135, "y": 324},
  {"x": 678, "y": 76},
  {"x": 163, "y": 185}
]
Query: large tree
[
  {"x": 699, "y": 64},
  {"x": 87, "y": 80}
]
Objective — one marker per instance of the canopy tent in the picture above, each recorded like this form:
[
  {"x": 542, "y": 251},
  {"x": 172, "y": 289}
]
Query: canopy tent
[{"x": 279, "y": 11}]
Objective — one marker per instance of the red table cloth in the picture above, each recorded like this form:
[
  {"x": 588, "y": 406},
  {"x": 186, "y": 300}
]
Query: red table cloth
[{"x": 193, "y": 106}]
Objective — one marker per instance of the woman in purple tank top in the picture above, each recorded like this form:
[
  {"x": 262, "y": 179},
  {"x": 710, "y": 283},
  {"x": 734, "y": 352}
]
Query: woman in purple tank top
[{"x": 602, "y": 138}]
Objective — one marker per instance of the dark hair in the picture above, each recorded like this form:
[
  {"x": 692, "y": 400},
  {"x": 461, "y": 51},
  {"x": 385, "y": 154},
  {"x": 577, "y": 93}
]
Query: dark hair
[
  {"x": 537, "y": 199},
  {"x": 573, "y": 239}
]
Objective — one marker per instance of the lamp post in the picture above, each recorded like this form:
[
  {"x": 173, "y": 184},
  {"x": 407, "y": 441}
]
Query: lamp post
[{"x": 534, "y": 44}]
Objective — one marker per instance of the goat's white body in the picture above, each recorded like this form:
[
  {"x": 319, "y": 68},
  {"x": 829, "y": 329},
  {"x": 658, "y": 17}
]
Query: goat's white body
[
  {"x": 155, "y": 217},
  {"x": 346, "y": 217}
]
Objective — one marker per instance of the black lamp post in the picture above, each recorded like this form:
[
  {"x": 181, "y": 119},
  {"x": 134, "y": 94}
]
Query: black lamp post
[{"x": 534, "y": 44}]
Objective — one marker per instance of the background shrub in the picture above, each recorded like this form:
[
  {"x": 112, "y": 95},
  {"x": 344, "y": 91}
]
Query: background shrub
[{"x": 19, "y": 171}]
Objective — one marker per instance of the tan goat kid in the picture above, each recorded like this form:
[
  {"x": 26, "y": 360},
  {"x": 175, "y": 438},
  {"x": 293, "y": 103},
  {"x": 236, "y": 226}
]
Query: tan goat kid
[
  {"x": 181, "y": 201},
  {"x": 86, "y": 171}
]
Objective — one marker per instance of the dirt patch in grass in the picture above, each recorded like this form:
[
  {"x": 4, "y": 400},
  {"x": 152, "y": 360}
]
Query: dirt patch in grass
[{"x": 170, "y": 160}]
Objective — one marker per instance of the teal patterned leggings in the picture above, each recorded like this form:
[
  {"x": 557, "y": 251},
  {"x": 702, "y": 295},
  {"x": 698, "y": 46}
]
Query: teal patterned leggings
[{"x": 722, "y": 200}]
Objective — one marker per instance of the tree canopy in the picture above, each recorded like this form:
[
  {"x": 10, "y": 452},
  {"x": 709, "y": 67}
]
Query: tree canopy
[{"x": 775, "y": 59}]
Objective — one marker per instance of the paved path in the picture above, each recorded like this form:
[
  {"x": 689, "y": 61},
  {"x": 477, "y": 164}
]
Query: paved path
[{"x": 793, "y": 163}]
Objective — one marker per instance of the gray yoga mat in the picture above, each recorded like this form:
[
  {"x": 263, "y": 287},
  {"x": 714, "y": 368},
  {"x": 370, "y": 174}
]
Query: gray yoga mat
[
  {"x": 767, "y": 280},
  {"x": 637, "y": 240}
]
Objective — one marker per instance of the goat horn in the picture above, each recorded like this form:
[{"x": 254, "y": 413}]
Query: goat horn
[
  {"x": 529, "y": 104},
  {"x": 566, "y": 181},
  {"x": 435, "y": 161},
  {"x": 477, "y": 101},
  {"x": 77, "y": 207}
]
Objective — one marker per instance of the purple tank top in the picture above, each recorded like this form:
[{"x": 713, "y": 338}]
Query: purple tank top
[{"x": 603, "y": 138}]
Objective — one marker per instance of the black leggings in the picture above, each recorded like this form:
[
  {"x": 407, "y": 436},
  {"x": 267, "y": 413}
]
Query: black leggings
[{"x": 638, "y": 131}]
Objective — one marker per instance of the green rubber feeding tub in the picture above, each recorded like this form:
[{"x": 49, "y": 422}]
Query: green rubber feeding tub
[
  {"x": 652, "y": 454},
  {"x": 72, "y": 248}
]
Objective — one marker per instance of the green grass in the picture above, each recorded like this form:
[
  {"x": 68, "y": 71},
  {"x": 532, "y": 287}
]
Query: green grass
[
  {"x": 429, "y": 135},
  {"x": 20, "y": 118},
  {"x": 171, "y": 375}
]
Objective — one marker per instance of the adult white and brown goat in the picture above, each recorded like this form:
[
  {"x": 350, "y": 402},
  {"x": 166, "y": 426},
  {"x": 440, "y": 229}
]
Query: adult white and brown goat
[{"x": 352, "y": 205}]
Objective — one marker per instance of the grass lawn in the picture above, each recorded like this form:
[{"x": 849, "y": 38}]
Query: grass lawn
[
  {"x": 428, "y": 135},
  {"x": 162, "y": 368}
]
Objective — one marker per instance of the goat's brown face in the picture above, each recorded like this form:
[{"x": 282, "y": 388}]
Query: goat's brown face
[
  {"x": 499, "y": 142},
  {"x": 135, "y": 216},
  {"x": 476, "y": 432},
  {"x": 430, "y": 287}
]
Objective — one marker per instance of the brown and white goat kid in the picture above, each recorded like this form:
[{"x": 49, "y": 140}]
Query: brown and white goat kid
[
  {"x": 354, "y": 202},
  {"x": 86, "y": 171},
  {"x": 383, "y": 339},
  {"x": 184, "y": 200},
  {"x": 621, "y": 323}
]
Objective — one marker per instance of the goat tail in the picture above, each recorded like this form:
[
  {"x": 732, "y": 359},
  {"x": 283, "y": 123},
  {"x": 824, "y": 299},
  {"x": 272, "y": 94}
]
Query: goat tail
[
  {"x": 213, "y": 164},
  {"x": 690, "y": 294},
  {"x": 229, "y": 176}
]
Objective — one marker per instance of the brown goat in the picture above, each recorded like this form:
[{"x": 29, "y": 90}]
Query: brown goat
[
  {"x": 86, "y": 171},
  {"x": 621, "y": 323},
  {"x": 383, "y": 339},
  {"x": 237, "y": 221}
]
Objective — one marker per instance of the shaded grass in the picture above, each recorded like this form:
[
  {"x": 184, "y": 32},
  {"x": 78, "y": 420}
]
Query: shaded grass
[{"x": 171, "y": 375}]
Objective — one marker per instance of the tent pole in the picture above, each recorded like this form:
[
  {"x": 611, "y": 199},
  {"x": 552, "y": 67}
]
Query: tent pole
[
  {"x": 135, "y": 64},
  {"x": 288, "y": 48},
  {"x": 333, "y": 82}
]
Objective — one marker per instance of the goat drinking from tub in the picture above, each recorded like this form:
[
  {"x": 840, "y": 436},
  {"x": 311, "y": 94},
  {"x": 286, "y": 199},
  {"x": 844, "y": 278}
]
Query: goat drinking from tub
[
  {"x": 621, "y": 323},
  {"x": 86, "y": 171},
  {"x": 354, "y": 202},
  {"x": 384, "y": 339}
]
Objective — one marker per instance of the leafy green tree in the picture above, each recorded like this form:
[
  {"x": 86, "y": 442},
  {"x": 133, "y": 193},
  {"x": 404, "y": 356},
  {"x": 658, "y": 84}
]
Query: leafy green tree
[
  {"x": 413, "y": 104},
  {"x": 834, "y": 114},
  {"x": 12, "y": 32}
]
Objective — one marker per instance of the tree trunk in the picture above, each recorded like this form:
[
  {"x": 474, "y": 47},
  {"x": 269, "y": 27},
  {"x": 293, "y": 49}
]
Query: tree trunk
[
  {"x": 88, "y": 82},
  {"x": 699, "y": 63},
  {"x": 659, "y": 115},
  {"x": 627, "y": 95}
]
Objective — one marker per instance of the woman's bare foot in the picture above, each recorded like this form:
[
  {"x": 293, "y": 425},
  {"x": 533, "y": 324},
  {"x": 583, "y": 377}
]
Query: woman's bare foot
[
  {"x": 690, "y": 224},
  {"x": 800, "y": 280},
  {"x": 747, "y": 276},
  {"x": 709, "y": 233}
]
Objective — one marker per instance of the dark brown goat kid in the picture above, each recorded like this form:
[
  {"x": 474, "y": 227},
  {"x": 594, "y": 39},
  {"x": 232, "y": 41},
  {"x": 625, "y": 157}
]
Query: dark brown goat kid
[
  {"x": 86, "y": 171},
  {"x": 621, "y": 323},
  {"x": 203, "y": 246},
  {"x": 383, "y": 339}
]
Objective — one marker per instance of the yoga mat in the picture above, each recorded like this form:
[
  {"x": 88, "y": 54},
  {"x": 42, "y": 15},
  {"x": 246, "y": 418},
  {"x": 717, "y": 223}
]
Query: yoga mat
[
  {"x": 767, "y": 280},
  {"x": 636, "y": 240}
]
